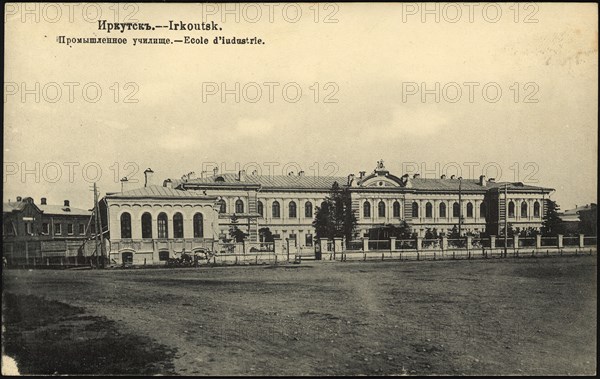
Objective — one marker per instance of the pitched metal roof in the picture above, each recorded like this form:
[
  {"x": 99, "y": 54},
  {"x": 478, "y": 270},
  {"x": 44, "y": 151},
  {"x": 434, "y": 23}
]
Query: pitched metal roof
[
  {"x": 325, "y": 183},
  {"x": 48, "y": 209},
  {"x": 269, "y": 181},
  {"x": 13, "y": 206},
  {"x": 63, "y": 210},
  {"x": 446, "y": 184},
  {"x": 157, "y": 192}
]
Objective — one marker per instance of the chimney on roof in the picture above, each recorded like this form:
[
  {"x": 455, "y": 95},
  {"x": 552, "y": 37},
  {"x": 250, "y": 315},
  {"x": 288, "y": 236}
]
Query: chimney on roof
[
  {"x": 168, "y": 183},
  {"x": 19, "y": 198},
  {"x": 492, "y": 180},
  {"x": 67, "y": 203},
  {"x": 242, "y": 175},
  {"x": 254, "y": 173},
  {"x": 361, "y": 174},
  {"x": 148, "y": 173},
  {"x": 482, "y": 180},
  {"x": 43, "y": 201},
  {"x": 301, "y": 173},
  {"x": 416, "y": 176},
  {"x": 453, "y": 177},
  {"x": 215, "y": 171},
  {"x": 350, "y": 179},
  {"x": 443, "y": 176}
]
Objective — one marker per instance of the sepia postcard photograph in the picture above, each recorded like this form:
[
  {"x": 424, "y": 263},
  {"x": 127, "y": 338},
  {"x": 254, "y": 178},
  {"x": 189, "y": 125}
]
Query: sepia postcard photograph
[{"x": 307, "y": 189}]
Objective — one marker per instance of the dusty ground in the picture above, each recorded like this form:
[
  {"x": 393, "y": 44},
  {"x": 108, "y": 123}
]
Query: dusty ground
[{"x": 525, "y": 316}]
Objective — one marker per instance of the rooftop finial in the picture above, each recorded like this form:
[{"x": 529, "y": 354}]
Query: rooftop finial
[{"x": 380, "y": 167}]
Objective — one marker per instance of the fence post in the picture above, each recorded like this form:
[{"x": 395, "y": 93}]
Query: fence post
[
  {"x": 516, "y": 244},
  {"x": 392, "y": 244},
  {"x": 276, "y": 244},
  {"x": 581, "y": 241},
  {"x": 560, "y": 241},
  {"x": 492, "y": 242},
  {"x": 538, "y": 241},
  {"x": 419, "y": 243},
  {"x": 365, "y": 243},
  {"x": 469, "y": 244},
  {"x": 444, "y": 243},
  {"x": 337, "y": 246},
  {"x": 323, "y": 245}
]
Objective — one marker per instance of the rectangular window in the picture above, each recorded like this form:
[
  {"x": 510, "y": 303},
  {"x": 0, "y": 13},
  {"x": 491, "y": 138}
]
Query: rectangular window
[
  {"x": 81, "y": 229},
  {"x": 70, "y": 229},
  {"x": 29, "y": 228},
  {"x": 12, "y": 229},
  {"x": 45, "y": 228},
  {"x": 57, "y": 230},
  {"x": 309, "y": 240}
]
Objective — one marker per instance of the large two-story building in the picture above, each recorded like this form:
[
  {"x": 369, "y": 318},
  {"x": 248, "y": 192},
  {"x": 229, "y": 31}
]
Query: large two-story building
[{"x": 186, "y": 213}]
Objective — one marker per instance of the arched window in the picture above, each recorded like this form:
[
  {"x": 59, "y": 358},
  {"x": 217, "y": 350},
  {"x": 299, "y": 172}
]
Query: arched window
[
  {"x": 125, "y": 225},
  {"x": 381, "y": 209},
  {"x": 222, "y": 206},
  {"x": 455, "y": 210},
  {"x": 511, "y": 209},
  {"x": 163, "y": 231},
  {"x": 239, "y": 206},
  {"x": 198, "y": 225},
  {"x": 146, "y": 225},
  {"x": 536, "y": 209},
  {"x": 396, "y": 209},
  {"x": 275, "y": 210},
  {"x": 308, "y": 209},
  {"x": 415, "y": 209},
  {"x": 366, "y": 209},
  {"x": 428, "y": 210},
  {"x": 443, "y": 210},
  {"x": 482, "y": 210},
  {"x": 292, "y": 209},
  {"x": 178, "y": 225},
  {"x": 259, "y": 208},
  {"x": 524, "y": 209},
  {"x": 469, "y": 209}
]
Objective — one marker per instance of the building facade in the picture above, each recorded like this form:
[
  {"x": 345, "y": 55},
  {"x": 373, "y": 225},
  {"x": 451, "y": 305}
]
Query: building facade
[
  {"x": 151, "y": 224},
  {"x": 32, "y": 231},
  {"x": 286, "y": 204}
]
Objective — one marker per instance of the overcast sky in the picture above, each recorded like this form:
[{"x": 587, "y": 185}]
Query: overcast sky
[{"x": 375, "y": 61}]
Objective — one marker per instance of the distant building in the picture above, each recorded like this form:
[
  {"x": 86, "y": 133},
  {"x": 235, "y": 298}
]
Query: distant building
[
  {"x": 43, "y": 230},
  {"x": 581, "y": 219}
]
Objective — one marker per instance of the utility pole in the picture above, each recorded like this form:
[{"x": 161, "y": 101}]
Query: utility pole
[
  {"x": 98, "y": 237},
  {"x": 98, "y": 228},
  {"x": 460, "y": 207},
  {"x": 506, "y": 220}
]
